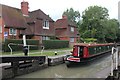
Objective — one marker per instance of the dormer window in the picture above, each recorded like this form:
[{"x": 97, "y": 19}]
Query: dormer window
[{"x": 46, "y": 24}]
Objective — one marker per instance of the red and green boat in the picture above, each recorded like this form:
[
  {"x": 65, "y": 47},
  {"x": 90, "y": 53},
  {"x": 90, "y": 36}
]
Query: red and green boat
[{"x": 83, "y": 52}]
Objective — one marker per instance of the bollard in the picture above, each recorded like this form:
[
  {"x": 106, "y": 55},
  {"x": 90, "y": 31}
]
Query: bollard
[
  {"x": 25, "y": 50},
  {"x": 55, "y": 53}
]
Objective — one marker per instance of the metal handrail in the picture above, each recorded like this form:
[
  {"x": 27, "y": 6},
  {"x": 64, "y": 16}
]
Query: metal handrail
[{"x": 10, "y": 48}]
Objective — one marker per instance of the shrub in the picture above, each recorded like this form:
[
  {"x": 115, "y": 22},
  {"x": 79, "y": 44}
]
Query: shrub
[
  {"x": 55, "y": 44},
  {"x": 19, "y": 44},
  {"x": 90, "y": 40}
]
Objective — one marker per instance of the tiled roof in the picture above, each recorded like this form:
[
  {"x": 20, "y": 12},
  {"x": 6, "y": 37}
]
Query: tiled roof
[
  {"x": 71, "y": 23},
  {"x": 39, "y": 14},
  {"x": 29, "y": 28},
  {"x": 64, "y": 23},
  {"x": 61, "y": 23},
  {"x": 12, "y": 17}
]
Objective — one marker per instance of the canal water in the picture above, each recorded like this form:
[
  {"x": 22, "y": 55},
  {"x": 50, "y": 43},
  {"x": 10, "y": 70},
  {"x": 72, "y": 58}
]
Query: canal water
[{"x": 99, "y": 68}]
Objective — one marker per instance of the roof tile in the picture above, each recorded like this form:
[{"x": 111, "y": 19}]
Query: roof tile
[{"x": 12, "y": 17}]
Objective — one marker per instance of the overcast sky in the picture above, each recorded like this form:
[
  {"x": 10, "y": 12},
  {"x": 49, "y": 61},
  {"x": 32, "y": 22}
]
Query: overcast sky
[{"x": 55, "y": 8}]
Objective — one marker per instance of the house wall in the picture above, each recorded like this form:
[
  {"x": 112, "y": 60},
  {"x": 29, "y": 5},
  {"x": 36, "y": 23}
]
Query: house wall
[
  {"x": 2, "y": 34},
  {"x": 5, "y": 29},
  {"x": 36, "y": 37},
  {"x": 64, "y": 38},
  {"x": 70, "y": 43},
  {"x": 12, "y": 36},
  {"x": 61, "y": 32},
  {"x": 72, "y": 34},
  {"x": 68, "y": 39},
  {"x": 45, "y": 32}
]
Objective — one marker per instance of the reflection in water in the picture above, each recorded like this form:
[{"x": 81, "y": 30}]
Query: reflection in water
[{"x": 96, "y": 69}]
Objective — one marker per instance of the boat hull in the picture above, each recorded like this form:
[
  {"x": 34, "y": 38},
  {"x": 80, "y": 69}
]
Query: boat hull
[{"x": 70, "y": 63}]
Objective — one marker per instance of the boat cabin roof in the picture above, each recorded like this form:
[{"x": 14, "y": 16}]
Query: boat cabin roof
[{"x": 92, "y": 44}]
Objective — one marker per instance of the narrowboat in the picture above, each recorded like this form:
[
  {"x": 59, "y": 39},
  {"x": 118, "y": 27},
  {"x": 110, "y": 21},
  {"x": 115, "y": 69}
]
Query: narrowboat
[{"x": 83, "y": 52}]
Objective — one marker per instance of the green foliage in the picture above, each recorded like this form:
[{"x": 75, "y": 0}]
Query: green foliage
[
  {"x": 96, "y": 24},
  {"x": 89, "y": 40},
  {"x": 19, "y": 47},
  {"x": 72, "y": 15},
  {"x": 55, "y": 44},
  {"x": 93, "y": 19},
  {"x": 112, "y": 29}
]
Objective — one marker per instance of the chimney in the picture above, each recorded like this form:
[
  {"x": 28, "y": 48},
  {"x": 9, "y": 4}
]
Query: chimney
[
  {"x": 64, "y": 17},
  {"x": 24, "y": 8}
]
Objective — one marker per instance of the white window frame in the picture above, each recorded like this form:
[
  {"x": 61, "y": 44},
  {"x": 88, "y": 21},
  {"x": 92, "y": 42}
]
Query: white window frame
[
  {"x": 72, "y": 39},
  {"x": 45, "y": 38},
  {"x": 0, "y": 29},
  {"x": 72, "y": 29},
  {"x": 46, "y": 24},
  {"x": 14, "y": 31}
]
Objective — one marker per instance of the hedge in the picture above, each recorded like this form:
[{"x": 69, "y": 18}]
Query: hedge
[
  {"x": 55, "y": 44},
  {"x": 19, "y": 47}
]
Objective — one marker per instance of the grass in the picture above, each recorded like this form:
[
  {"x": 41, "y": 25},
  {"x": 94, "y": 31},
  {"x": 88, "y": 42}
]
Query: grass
[
  {"x": 46, "y": 54},
  {"x": 50, "y": 52}
]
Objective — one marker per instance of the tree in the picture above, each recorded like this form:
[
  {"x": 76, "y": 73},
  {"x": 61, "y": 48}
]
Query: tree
[
  {"x": 112, "y": 30},
  {"x": 93, "y": 22},
  {"x": 72, "y": 15},
  {"x": 118, "y": 36}
]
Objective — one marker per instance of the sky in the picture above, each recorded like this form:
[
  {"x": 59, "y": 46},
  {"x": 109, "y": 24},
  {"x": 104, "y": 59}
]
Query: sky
[{"x": 55, "y": 8}]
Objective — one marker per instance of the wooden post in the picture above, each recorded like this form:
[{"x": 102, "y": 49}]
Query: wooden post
[{"x": 15, "y": 66}]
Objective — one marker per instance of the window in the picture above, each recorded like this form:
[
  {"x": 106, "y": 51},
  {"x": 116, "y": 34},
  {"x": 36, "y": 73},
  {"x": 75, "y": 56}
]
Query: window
[
  {"x": 46, "y": 24},
  {"x": 45, "y": 38},
  {"x": 0, "y": 29},
  {"x": 71, "y": 39},
  {"x": 12, "y": 31},
  {"x": 72, "y": 29}
]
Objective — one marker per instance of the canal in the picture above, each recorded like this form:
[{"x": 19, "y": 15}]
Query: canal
[{"x": 99, "y": 68}]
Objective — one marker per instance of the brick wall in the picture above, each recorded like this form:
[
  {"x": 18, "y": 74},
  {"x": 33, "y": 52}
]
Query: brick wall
[
  {"x": 2, "y": 34},
  {"x": 64, "y": 38}
]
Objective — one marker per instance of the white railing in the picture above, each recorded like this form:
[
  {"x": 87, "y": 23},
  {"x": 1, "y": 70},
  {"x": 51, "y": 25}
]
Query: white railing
[{"x": 11, "y": 50}]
